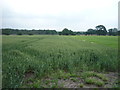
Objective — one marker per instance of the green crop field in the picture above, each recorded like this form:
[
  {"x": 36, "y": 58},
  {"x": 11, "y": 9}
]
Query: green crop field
[{"x": 34, "y": 57}]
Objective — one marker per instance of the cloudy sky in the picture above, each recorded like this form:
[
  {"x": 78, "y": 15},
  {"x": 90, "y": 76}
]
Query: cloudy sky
[{"x": 77, "y": 15}]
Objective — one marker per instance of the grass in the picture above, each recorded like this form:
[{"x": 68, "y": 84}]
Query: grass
[
  {"x": 88, "y": 74},
  {"x": 110, "y": 41},
  {"x": 51, "y": 81},
  {"x": 60, "y": 75},
  {"x": 81, "y": 85},
  {"x": 102, "y": 76},
  {"x": 74, "y": 79},
  {"x": 94, "y": 74},
  {"x": 47, "y": 54},
  {"x": 95, "y": 78},
  {"x": 95, "y": 81}
]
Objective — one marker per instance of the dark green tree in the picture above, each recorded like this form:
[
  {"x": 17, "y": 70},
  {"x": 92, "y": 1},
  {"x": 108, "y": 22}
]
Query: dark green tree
[
  {"x": 101, "y": 30},
  {"x": 66, "y": 32},
  {"x": 8, "y": 31},
  {"x": 113, "y": 32},
  {"x": 91, "y": 32}
]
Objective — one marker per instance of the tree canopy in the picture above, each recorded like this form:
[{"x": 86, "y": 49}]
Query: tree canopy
[
  {"x": 101, "y": 30},
  {"x": 8, "y": 31},
  {"x": 66, "y": 32}
]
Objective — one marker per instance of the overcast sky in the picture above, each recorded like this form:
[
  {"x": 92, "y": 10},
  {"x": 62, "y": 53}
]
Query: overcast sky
[{"x": 76, "y": 15}]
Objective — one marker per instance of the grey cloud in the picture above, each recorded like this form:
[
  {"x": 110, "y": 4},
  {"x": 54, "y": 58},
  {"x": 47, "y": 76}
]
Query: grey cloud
[{"x": 78, "y": 21}]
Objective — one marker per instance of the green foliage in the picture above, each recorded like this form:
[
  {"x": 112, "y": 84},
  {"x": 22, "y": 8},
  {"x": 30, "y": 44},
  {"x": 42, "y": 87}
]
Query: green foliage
[
  {"x": 102, "y": 76},
  {"x": 88, "y": 74},
  {"x": 66, "y": 32},
  {"x": 113, "y": 32},
  {"x": 8, "y": 31},
  {"x": 94, "y": 74},
  {"x": 36, "y": 84},
  {"x": 101, "y": 30},
  {"x": 95, "y": 81},
  {"x": 74, "y": 79},
  {"x": 99, "y": 83},
  {"x": 60, "y": 75},
  {"x": 91, "y": 32},
  {"x": 81, "y": 85},
  {"x": 45, "y": 54}
]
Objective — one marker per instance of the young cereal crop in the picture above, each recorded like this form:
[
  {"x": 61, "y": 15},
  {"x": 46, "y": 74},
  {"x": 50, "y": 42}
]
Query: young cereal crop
[{"x": 41, "y": 55}]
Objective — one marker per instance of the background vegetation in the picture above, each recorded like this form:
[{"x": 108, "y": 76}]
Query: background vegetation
[{"x": 99, "y": 30}]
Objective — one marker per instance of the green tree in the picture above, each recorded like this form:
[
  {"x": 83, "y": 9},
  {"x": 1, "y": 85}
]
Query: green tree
[
  {"x": 101, "y": 30},
  {"x": 113, "y": 31},
  {"x": 67, "y": 32},
  {"x": 91, "y": 32}
]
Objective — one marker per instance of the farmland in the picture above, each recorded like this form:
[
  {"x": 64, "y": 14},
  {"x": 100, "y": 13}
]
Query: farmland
[{"x": 46, "y": 60}]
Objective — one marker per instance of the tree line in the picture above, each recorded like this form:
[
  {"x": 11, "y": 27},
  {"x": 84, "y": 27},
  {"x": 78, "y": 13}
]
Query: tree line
[
  {"x": 99, "y": 30},
  {"x": 8, "y": 31}
]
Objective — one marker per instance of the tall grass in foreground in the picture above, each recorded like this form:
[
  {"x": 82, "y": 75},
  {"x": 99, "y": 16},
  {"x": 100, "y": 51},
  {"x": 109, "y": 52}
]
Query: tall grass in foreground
[{"x": 43, "y": 55}]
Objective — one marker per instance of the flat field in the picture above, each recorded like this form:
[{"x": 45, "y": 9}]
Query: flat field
[{"x": 57, "y": 61}]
